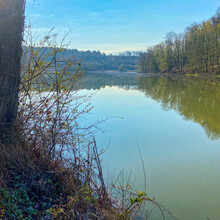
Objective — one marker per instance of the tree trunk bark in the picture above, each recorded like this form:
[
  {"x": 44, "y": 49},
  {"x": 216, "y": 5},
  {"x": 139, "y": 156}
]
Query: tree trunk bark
[{"x": 11, "y": 34}]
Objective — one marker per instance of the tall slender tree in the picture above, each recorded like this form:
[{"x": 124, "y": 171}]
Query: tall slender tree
[{"x": 11, "y": 33}]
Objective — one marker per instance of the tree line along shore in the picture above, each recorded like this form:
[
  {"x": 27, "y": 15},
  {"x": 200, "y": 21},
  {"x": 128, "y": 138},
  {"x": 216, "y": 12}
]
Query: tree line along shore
[{"x": 196, "y": 51}]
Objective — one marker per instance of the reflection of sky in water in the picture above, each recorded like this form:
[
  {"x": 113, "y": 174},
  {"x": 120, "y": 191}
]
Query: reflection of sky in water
[{"x": 182, "y": 163}]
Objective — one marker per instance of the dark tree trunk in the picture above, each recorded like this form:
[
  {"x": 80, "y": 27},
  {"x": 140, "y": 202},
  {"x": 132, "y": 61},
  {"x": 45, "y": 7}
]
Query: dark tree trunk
[{"x": 11, "y": 33}]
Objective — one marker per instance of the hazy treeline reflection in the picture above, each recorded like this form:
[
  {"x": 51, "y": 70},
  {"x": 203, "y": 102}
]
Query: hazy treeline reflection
[
  {"x": 195, "y": 98},
  {"x": 92, "y": 80}
]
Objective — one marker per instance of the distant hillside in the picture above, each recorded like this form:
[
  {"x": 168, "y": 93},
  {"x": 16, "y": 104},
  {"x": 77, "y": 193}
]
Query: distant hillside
[
  {"x": 94, "y": 60},
  {"x": 97, "y": 61}
]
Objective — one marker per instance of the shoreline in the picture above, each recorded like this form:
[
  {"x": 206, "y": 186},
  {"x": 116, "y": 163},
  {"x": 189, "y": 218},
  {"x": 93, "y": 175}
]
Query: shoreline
[{"x": 136, "y": 73}]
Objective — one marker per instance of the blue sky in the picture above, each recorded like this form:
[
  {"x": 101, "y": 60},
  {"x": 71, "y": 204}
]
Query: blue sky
[{"x": 112, "y": 26}]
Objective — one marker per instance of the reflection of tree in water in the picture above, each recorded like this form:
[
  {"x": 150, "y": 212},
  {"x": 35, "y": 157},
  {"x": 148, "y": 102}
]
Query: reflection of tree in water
[
  {"x": 98, "y": 80},
  {"x": 195, "y": 98}
]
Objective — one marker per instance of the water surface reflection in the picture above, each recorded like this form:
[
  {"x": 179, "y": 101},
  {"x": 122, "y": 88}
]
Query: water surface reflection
[{"x": 176, "y": 120}]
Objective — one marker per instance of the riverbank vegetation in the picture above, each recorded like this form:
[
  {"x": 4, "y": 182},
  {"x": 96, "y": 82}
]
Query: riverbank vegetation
[{"x": 197, "y": 50}]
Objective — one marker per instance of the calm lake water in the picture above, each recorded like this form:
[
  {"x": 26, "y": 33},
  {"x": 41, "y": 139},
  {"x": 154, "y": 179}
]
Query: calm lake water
[{"x": 177, "y": 123}]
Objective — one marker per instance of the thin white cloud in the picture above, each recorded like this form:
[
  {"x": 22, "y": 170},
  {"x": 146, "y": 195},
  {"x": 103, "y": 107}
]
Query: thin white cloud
[
  {"x": 36, "y": 15},
  {"x": 95, "y": 14}
]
